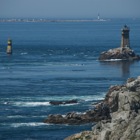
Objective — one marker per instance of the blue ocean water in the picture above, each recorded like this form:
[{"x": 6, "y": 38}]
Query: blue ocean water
[{"x": 57, "y": 61}]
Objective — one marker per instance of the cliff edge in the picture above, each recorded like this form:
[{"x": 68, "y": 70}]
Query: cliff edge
[{"x": 124, "y": 105}]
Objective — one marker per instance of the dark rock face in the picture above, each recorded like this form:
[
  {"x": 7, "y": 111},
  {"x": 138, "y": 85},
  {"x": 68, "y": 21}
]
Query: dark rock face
[
  {"x": 119, "y": 53},
  {"x": 63, "y": 102},
  {"x": 113, "y": 102},
  {"x": 122, "y": 99},
  {"x": 101, "y": 112},
  {"x": 124, "y": 104}
]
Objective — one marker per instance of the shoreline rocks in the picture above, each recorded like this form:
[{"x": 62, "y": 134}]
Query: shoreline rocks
[
  {"x": 101, "y": 112},
  {"x": 124, "y": 105}
]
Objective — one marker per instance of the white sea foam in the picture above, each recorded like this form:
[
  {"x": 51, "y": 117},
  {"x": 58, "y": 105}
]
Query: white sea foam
[
  {"x": 20, "y": 116},
  {"x": 31, "y": 104},
  {"x": 30, "y": 124},
  {"x": 73, "y": 64},
  {"x": 45, "y": 101},
  {"x": 94, "y": 98},
  {"x": 80, "y": 112},
  {"x": 98, "y": 96},
  {"x": 113, "y": 60},
  {"x": 23, "y": 53},
  {"x": 69, "y": 104},
  {"x": 16, "y": 116},
  {"x": 5, "y": 103}
]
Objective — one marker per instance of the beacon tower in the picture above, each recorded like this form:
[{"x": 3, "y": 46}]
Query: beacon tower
[
  {"x": 9, "y": 47},
  {"x": 125, "y": 37}
]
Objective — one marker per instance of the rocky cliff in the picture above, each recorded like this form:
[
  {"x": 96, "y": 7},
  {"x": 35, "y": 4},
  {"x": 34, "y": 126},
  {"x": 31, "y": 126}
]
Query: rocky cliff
[{"x": 124, "y": 105}]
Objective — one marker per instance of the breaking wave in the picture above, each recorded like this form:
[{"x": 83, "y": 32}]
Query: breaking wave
[
  {"x": 31, "y": 124},
  {"x": 31, "y": 104},
  {"x": 24, "y": 53},
  {"x": 113, "y": 60}
]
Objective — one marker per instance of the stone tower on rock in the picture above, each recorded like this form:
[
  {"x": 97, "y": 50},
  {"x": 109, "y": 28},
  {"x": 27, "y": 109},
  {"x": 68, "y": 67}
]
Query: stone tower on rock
[
  {"x": 125, "y": 37},
  {"x": 124, "y": 52}
]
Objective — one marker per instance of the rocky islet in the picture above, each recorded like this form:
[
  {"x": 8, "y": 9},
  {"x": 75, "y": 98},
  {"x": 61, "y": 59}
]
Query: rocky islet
[{"x": 124, "y": 52}]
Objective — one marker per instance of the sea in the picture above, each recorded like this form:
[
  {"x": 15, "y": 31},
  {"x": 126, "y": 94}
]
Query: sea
[{"x": 58, "y": 61}]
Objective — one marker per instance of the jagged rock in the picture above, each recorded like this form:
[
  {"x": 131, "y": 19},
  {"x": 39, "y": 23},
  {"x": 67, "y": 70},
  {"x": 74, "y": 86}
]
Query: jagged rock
[
  {"x": 63, "y": 102},
  {"x": 80, "y": 135},
  {"x": 55, "y": 118},
  {"x": 124, "y": 52},
  {"x": 101, "y": 112},
  {"x": 130, "y": 80},
  {"x": 119, "y": 53},
  {"x": 134, "y": 85},
  {"x": 124, "y": 104}
]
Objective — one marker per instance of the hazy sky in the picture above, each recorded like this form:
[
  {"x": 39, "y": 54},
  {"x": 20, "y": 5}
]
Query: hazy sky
[{"x": 69, "y": 8}]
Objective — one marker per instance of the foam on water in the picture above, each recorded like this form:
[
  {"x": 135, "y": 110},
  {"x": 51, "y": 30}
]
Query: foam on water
[
  {"x": 94, "y": 98},
  {"x": 69, "y": 104},
  {"x": 16, "y": 116},
  {"x": 98, "y": 96},
  {"x": 30, "y": 124},
  {"x": 24, "y": 53},
  {"x": 31, "y": 104},
  {"x": 23, "y": 116},
  {"x": 113, "y": 60},
  {"x": 45, "y": 101}
]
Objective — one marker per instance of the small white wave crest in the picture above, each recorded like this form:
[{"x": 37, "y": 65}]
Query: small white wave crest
[
  {"x": 24, "y": 116},
  {"x": 94, "y": 98},
  {"x": 23, "y": 53},
  {"x": 16, "y": 116},
  {"x": 113, "y": 60},
  {"x": 69, "y": 104},
  {"x": 98, "y": 96},
  {"x": 30, "y": 124},
  {"x": 31, "y": 104}
]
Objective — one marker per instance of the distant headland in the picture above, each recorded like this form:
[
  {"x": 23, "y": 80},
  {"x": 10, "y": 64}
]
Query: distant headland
[{"x": 98, "y": 19}]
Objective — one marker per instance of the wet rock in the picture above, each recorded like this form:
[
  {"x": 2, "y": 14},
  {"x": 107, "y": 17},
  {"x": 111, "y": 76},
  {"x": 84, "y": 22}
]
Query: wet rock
[
  {"x": 73, "y": 118},
  {"x": 63, "y": 102},
  {"x": 124, "y": 104},
  {"x": 54, "y": 119},
  {"x": 119, "y": 53}
]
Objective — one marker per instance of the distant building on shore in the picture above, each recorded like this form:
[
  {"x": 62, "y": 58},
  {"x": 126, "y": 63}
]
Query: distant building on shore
[{"x": 99, "y": 19}]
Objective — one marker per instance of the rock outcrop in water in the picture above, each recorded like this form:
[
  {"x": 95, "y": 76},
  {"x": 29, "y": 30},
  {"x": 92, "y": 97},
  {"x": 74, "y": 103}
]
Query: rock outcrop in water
[
  {"x": 101, "y": 112},
  {"x": 119, "y": 54},
  {"x": 124, "y": 52},
  {"x": 63, "y": 102},
  {"x": 124, "y": 105}
]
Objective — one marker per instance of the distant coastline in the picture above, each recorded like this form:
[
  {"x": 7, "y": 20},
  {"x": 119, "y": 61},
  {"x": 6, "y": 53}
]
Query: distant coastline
[{"x": 50, "y": 20}]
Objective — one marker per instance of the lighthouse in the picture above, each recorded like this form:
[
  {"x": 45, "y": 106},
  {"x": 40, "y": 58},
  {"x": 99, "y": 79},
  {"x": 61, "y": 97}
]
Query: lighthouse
[
  {"x": 125, "y": 37},
  {"x": 9, "y": 47}
]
